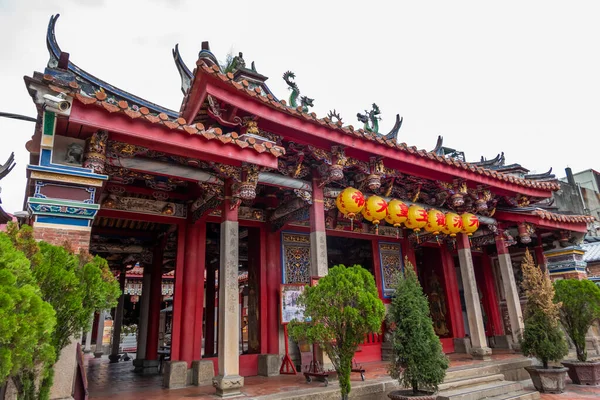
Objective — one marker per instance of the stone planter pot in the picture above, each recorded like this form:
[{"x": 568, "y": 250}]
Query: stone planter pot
[
  {"x": 551, "y": 380},
  {"x": 408, "y": 395},
  {"x": 584, "y": 373}
]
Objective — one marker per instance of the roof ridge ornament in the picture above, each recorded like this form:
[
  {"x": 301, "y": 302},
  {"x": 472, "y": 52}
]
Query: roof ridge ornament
[
  {"x": 305, "y": 102},
  {"x": 184, "y": 71},
  {"x": 372, "y": 117}
]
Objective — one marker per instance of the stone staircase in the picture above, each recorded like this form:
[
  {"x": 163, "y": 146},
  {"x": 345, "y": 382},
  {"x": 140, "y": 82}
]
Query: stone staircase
[
  {"x": 495, "y": 380},
  {"x": 487, "y": 381}
]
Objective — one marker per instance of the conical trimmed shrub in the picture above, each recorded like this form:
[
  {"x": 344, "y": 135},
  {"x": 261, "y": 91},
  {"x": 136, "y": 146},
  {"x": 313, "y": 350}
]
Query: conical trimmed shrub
[{"x": 418, "y": 359}]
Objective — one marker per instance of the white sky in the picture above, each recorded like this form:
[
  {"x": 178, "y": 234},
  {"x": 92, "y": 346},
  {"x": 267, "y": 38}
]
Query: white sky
[{"x": 515, "y": 76}]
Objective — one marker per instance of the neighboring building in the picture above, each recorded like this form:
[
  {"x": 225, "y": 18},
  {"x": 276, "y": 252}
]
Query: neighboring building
[
  {"x": 585, "y": 187},
  {"x": 5, "y": 170},
  {"x": 239, "y": 188},
  {"x": 592, "y": 258}
]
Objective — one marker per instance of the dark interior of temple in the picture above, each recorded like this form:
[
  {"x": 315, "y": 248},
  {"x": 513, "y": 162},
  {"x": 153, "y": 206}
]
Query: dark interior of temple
[{"x": 347, "y": 251}]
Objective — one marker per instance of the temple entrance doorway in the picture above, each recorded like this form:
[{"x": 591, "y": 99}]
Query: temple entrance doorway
[
  {"x": 350, "y": 251},
  {"x": 432, "y": 279}
]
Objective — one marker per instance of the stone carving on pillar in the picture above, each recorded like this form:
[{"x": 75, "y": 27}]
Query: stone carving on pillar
[
  {"x": 479, "y": 349},
  {"x": 229, "y": 382},
  {"x": 511, "y": 291},
  {"x": 95, "y": 154}
]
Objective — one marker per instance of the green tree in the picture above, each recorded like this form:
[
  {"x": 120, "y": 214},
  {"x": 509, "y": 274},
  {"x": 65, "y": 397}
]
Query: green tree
[
  {"x": 340, "y": 311},
  {"x": 580, "y": 307},
  {"x": 418, "y": 358},
  {"x": 26, "y": 321},
  {"x": 542, "y": 337},
  {"x": 75, "y": 286}
]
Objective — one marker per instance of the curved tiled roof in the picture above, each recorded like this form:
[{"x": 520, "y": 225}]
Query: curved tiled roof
[
  {"x": 573, "y": 219},
  {"x": 281, "y": 105},
  {"x": 134, "y": 112},
  {"x": 592, "y": 252}
]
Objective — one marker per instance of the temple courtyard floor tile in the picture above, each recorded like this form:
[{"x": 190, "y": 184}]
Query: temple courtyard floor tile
[{"x": 118, "y": 381}]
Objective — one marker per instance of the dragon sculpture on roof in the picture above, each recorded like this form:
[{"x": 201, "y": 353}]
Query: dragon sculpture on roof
[
  {"x": 305, "y": 102},
  {"x": 370, "y": 116}
]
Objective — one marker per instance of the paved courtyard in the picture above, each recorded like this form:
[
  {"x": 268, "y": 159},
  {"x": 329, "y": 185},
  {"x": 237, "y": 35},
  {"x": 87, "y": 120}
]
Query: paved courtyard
[{"x": 110, "y": 381}]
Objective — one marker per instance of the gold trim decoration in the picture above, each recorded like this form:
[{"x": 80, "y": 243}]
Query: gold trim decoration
[{"x": 81, "y": 180}]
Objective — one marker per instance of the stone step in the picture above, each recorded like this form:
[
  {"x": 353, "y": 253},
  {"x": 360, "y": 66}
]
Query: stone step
[
  {"x": 464, "y": 382},
  {"x": 481, "y": 391},
  {"x": 488, "y": 368},
  {"x": 520, "y": 395}
]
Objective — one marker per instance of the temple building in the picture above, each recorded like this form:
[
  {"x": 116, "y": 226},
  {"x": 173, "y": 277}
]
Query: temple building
[{"x": 234, "y": 195}]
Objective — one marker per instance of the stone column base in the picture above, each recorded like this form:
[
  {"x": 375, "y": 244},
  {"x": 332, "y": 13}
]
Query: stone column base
[
  {"x": 145, "y": 366},
  {"x": 228, "y": 386},
  {"x": 386, "y": 351},
  {"x": 501, "y": 342},
  {"x": 462, "y": 345},
  {"x": 481, "y": 353},
  {"x": 268, "y": 364},
  {"x": 114, "y": 358},
  {"x": 203, "y": 372},
  {"x": 175, "y": 374},
  {"x": 98, "y": 354}
]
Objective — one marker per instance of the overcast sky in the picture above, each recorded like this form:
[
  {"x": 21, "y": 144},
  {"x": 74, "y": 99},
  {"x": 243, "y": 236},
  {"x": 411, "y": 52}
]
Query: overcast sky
[{"x": 521, "y": 77}]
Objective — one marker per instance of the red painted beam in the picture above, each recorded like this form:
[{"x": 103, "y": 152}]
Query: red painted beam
[
  {"x": 538, "y": 221},
  {"x": 160, "y": 138},
  {"x": 308, "y": 132}
]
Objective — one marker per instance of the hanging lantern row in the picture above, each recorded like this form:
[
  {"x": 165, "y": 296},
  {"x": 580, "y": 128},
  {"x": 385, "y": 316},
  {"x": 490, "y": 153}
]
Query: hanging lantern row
[{"x": 375, "y": 209}]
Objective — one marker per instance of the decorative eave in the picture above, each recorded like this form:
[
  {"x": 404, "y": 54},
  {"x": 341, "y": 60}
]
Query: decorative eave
[
  {"x": 224, "y": 87},
  {"x": 55, "y": 55},
  {"x": 546, "y": 219},
  {"x": 179, "y": 124}
]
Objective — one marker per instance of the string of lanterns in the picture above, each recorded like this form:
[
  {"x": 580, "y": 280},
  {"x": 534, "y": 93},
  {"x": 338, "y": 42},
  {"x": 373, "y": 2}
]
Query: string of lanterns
[{"x": 375, "y": 209}]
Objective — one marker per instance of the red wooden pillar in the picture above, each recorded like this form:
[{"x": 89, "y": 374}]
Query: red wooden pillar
[
  {"x": 540, "y": 258},
  {"x": 154, "y": 305},
  {"x": 209, "y": 340},
  {"x": 489, "y": 296},
  {"x": 190, "y": 282},
  {"x": 377, "y": 267},
  {"x": 273, "y": 277},
  {"x": 178, "y": 294},
  {"x": 452, "y": 294},
  {"x": 409, "y": 251},
  {"x": 199, "y": 265},
  {"x": 262, "y": 287}
]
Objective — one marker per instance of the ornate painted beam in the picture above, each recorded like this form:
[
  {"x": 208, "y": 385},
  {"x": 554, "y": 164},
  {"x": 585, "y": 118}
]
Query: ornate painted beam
[
  {"x": 298, "y": 215},
  {"x": 160, "y": 219}
]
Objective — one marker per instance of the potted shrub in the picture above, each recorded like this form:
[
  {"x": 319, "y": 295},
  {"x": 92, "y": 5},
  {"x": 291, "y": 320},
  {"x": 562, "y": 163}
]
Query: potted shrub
[
  {"x": 542, "y": 337},
  {"x": 580, "y": 307},
  {"x": 418, "y": 361},
  {"x": 339, "y": 312}
]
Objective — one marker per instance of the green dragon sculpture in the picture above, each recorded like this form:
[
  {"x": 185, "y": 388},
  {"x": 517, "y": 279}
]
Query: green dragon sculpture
[
  {"x": 305, "y": 102},
  {"x": 373, "y": 117}
]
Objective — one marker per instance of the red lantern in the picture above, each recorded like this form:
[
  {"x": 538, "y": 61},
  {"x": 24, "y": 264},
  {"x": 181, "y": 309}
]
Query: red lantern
[
  {"x": 454, "y": 223},
  {"x": 375, "y": 210},
  {"x": 470, "y": 223},
  {"x": 435, "y": 221},
  {"x": 417, "y": 218}
]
